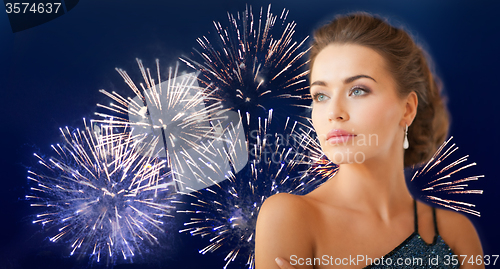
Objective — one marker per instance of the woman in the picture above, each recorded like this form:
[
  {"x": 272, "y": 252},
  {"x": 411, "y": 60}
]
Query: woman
[{"x": 376, "y": 109}]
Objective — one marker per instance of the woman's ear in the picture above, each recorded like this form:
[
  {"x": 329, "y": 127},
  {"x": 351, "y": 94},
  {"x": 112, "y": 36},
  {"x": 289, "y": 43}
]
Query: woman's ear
[{"x": 410, "y": 108}]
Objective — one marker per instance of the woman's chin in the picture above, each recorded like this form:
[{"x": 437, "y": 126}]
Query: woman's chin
[{"x": 347, "y": 156}]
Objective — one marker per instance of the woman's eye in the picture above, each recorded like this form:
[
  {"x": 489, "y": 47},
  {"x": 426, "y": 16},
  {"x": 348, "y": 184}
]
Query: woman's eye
[
  {"x": 319, "y": 97},
  {"x": 358, "y": 91}
]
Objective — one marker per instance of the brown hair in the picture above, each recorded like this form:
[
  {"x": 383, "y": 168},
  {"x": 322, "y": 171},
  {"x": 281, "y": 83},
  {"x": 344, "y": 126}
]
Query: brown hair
[{"x": 411, "y": 70}]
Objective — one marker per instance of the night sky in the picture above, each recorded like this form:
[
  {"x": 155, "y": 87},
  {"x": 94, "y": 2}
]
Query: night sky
[{"x": 50, "y": 76}]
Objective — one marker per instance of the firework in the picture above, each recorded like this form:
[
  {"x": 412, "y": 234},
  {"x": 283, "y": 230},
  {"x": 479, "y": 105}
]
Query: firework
[
  {"x": 441, "y": 176},
  {"x": 104, "y": 193},
  {"x": 255, "y": 61},
  {"x": 226, "y": 212},
  {"x": 177, "y": 110},
  {"x": 321, "y": 168}
]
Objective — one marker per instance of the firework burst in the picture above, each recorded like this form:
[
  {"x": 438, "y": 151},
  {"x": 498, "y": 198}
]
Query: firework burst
[
  {"x": 103, "y": 194},
  {"x": 177, "y": 110},
  {"x": 226, "y": 212},
  {"x": 255, "y": 62},
  {"x": 441, "y": 176}
]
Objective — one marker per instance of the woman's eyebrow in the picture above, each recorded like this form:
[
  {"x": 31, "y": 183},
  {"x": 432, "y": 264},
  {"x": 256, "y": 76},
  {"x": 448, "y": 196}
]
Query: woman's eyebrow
[
  {"x": 346, "y": 81},
  {"x": 351, "y": 79},
  {"x": 318, "y": 83}
]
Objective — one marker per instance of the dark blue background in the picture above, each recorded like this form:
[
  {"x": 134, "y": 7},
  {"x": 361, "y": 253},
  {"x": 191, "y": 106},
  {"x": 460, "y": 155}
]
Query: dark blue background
[{"x": 50, "y": 76}]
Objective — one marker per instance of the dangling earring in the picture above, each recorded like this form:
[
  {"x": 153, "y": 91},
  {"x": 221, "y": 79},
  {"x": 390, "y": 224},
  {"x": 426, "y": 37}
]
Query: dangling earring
[{"x": 406, "y": 144}]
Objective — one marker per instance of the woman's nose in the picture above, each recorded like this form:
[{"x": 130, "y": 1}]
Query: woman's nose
[{"x": 338, "y": 110}]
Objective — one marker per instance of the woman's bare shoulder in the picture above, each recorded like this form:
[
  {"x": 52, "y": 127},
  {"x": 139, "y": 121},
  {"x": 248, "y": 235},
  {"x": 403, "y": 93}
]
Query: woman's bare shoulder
[
  {"x": 282, "y": 230},
  {"x": 458, "y": 232},
  {"x": 285, "y": 207}
]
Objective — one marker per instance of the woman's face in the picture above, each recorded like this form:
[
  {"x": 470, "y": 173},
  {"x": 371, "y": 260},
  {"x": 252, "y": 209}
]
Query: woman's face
[{"x": 356, "y": 113}]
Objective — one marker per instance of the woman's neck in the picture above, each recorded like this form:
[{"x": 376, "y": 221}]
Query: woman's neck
[{"x": 376, "y": 185}]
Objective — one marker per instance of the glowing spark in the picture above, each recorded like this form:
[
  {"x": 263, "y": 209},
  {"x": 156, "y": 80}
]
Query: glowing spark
[
  {"x": 104, "y": 193},
  {"x": 440, "y": 176}
]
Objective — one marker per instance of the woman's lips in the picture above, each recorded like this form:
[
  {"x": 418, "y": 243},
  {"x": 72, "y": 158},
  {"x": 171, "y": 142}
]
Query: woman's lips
[
  {"x": 337, "y": 136},
  {"x": 339, "y": 139}
]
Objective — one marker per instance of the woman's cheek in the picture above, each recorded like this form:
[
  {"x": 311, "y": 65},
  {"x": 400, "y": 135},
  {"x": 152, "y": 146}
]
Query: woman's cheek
[
  {"x": 382, "y": 117},
  {"x": 320, "y": 123}
]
